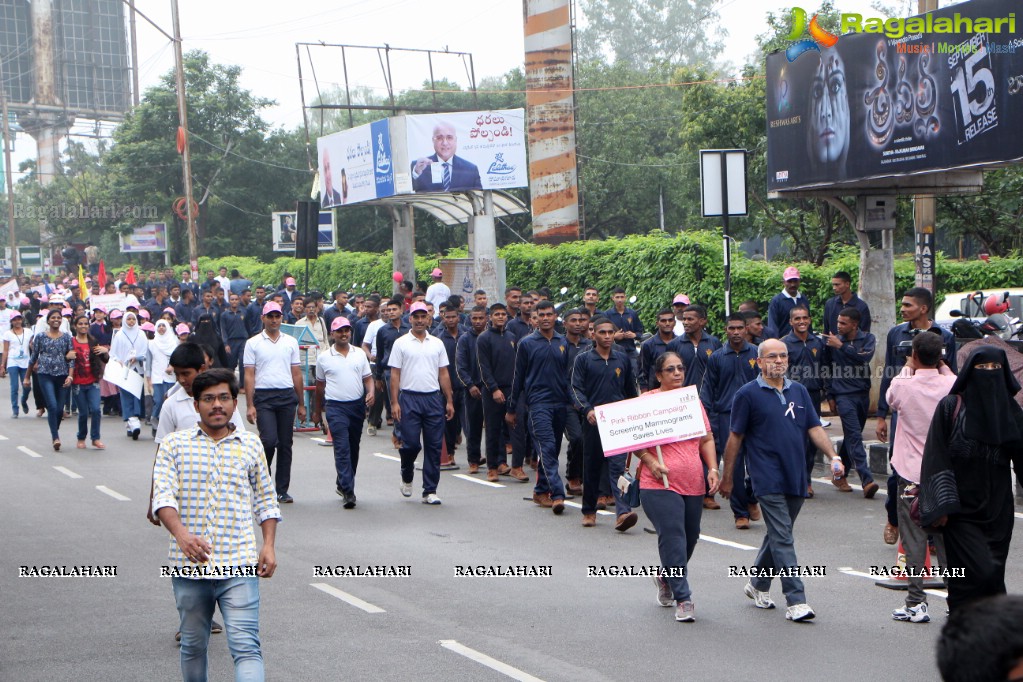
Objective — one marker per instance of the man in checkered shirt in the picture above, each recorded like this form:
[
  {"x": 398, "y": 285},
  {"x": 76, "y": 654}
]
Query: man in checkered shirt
[{"x": 208, "y": 483}]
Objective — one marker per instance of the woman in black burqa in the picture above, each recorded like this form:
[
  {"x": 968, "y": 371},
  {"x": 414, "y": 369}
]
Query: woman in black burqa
[
  {"x": 206, "y": 333},
  {"x": 966, "y": 484}
]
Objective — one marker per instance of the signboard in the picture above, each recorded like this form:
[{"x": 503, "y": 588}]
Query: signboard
[
  {"x": 284, "y": 231},
  {"x": 723, "y": 176},
  {"x": 108, "y": 301},
  {"x": 9, "y": 287},
  {"x": 355, "y": 165},
  {"x": 650, "y": 420},
  {"x": 924, "y": 94},
  {"x": 467, "y": 150},
  {"x": 460, "y": 276},
  {"x": 145, "y": 239}
]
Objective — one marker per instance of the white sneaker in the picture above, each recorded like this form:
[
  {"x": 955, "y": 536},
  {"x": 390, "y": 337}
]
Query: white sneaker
[
  {"x": 799, "y": 612},
  {"x": 761, "y": 599},
  {"x": 825, "y": 423},
  {"x": 664, "y": 595},
  {"x": 406, "y": 489},
  {"x": 431, "y": 499},
  {"x": 685, "y": 612},
  {"x": 912, "y": 614},
  {"x": 371, "y": 431}
]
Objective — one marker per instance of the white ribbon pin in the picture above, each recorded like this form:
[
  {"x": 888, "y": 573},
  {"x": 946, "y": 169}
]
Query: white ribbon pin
[{"x": 791, "y": 411}]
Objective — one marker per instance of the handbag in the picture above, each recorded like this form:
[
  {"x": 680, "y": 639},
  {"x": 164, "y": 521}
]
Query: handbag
[
  {"x": 914, "y": 507},
  {"x": 629, "y": 486}
]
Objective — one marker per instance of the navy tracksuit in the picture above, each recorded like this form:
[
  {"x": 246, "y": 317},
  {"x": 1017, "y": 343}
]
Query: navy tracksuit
[
  {"x": 454, "y": 425},
  {"x": 467, "y": 371},
  {"x": 850, "y": 388},
  {"x": 649, "y": 351},
  {"x": 807, "y": 366},
  {"x": 596, "y": 381},
  {"x": 574, "y": 421},
  {"x": 495, "y": 353},
  {"x": 695, "y": 358},
  {"x": 541, "y": 385},
  {"x": 727, "y": 372}
]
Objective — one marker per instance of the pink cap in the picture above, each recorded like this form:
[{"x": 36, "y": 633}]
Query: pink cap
[
  {"x": 100, "y": 309},
  {"x": 170, "y": 310},
  {"x": 290, "y": 282},
  {"x": 417, "y": 306},
  {"x": 25, "y": 301},
  {"x": 681, "y": 299},
  {"x": 67, "y": 312},
  {"x": 182, "y": 329},
  {"x": 116, "y": 314},
  {"x": 339, "y": 322},
  {"x": 790, "y": 273},
  {"x": 147, "y": 327},
  {"x": 272, "y": 307},
  {"x": 15, "y": 314},
  {"x": 144, "y": 314},
  {"x": 437, "y": 273},
  {"x": 44, "y": 298}
]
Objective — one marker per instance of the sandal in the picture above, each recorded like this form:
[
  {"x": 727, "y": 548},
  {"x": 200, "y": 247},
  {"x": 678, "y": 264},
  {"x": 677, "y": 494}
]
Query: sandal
[
  {"x": 56, "y": 444},
  {"x": 81, "y": 445},
  {"x": 98, "y": 444}
]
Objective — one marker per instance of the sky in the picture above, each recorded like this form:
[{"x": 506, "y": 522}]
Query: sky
[{"x": 260, "y": 36}]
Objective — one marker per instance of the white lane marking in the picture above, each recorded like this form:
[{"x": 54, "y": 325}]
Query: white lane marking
[
  {"x": 30, "y": 453},
  {"x": 67, "y": 472},
  {"x": 880, "y": 490},
  {"x": 113, "y": 493},
  {"x": 1018, "y": 515},
  {"x": 319, "y": 440},
  {"x": 3, "y": 438},
  {"x": 490, "y": 484},
  {"x": 492, "y": 663},
  {"x": 381, "y": 455},
  {"x": 579, "y": 506},
  {"x": 728, "y": 543},
  {"x": 348, "y": 598},
  {"x": 861, "y": 574}
]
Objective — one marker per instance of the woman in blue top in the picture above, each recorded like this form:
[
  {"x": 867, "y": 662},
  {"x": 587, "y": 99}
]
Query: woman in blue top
[{"x": 52, "y": 361}]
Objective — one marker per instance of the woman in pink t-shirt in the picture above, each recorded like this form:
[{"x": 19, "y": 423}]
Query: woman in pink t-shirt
[{"x": 675, "y": 510}]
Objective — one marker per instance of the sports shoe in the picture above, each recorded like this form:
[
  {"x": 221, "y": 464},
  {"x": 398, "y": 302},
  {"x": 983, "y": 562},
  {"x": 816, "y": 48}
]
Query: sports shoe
[
  {"x": 372, "y": 430},
  {"x": 799, "y": 612},
  {"x": 216, "y": 628},
  {"x": 431, "y": 499},
  {"x": 891, "y": 534},
  {"x": 685, "y": 612},
  {"x": 285, "y": 498},
  {"x": 406, "y": 489},
  {"x": 24, "y": 406},
  {"x": 870, "y": 489},
  {"x": 762, "y": 600},
  {"x": 912, "y": 614},
  {"x": 825, "y": 423},
  {"x": 664, "y": 596}
]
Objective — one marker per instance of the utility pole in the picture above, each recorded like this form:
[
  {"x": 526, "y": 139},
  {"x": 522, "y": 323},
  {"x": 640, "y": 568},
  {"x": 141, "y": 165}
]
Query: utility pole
[
  {"x": 186, "y": 158},
  {"x": 924, "y": 210},
  {"x": 9, "y": 174}
]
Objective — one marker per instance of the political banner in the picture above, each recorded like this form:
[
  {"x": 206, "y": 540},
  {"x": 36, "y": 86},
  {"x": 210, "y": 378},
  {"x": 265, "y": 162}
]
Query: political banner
[
  {"x": 459, "y": 151},
  {"x": 892, "y": 97},
  {"x": 108, "y": 301},
  {"x": 650, "y": 420},
  {"x": 355, "y": 165}
]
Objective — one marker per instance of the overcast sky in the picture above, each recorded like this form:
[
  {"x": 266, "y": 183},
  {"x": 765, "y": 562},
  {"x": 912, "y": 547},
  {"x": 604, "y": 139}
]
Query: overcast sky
[{"x": 260, "y": 36}]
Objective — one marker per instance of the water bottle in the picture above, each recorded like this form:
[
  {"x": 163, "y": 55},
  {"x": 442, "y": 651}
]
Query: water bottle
[{"x": 836, "y": 469}]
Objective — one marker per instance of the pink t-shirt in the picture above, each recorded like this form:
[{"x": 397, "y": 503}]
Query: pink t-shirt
[
  {"x": 915, "y": 396},
  {"x": 685, "y": 466}
]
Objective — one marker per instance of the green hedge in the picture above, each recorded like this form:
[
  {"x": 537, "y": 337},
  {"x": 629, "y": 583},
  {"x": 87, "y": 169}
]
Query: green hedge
[{"x": 653, "y": 267}]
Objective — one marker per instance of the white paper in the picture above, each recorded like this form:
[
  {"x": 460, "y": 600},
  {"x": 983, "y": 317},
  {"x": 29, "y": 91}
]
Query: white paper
[{"x": 123, "y": 377}]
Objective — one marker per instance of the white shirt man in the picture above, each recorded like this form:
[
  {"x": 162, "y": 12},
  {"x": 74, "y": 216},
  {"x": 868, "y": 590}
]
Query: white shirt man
[{"x": 438, "y": 292}]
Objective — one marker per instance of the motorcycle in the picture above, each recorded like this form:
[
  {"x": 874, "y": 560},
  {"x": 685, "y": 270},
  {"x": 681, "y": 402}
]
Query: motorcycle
[{"x": 997, "y": 323}]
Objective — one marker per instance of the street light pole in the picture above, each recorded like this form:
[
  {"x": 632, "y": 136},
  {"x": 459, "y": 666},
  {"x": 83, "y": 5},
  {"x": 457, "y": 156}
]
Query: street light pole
[
  {"x": 10, "y": 176},
  {"x": 186, "y": 158}
]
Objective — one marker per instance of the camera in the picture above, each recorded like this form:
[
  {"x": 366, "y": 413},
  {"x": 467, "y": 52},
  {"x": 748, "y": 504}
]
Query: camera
[{"x": 905, "y": 348}]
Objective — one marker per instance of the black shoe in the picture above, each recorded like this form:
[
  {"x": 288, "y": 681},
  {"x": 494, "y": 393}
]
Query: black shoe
[
  {"x": 24, "y": 406},
  {"x": 285, "y": 498},
  {"x": 135, "y": 434},
  {"x": 349, "y": 501},
  {"x": 216, "y": 628}
]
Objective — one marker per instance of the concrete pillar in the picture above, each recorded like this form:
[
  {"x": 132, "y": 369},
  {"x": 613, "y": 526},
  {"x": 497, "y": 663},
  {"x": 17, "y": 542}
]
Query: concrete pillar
[
  {"x": 404, "y": 240},
  {"x": 484, "y": 251}
]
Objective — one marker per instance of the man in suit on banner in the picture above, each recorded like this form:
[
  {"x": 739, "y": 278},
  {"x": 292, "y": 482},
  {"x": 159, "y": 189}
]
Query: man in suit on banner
[{"x": 443, "y": 171}]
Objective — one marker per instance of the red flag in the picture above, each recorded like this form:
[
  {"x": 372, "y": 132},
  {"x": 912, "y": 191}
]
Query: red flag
[
  {"x": 101, "y": 276},
  {"x": 130, "y": 277}
]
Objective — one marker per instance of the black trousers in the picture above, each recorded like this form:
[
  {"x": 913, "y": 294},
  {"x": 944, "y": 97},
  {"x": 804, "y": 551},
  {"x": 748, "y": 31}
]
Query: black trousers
[
  {"x": 453, "y": 426},
  {"x": 275, "y": 419},
  {"x": 574, "y": 435},
  {"x": 493, "y": 416},
  {"x": 472, "y": 417}
]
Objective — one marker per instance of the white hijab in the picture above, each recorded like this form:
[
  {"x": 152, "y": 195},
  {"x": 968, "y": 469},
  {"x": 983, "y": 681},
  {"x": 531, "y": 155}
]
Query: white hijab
[
  {"x": 165, "y": 341},
  {"x": 131, "y": 342}
]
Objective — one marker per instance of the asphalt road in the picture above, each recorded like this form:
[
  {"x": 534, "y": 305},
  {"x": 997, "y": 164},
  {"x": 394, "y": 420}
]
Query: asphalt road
[{"x": 69, "y": 508}]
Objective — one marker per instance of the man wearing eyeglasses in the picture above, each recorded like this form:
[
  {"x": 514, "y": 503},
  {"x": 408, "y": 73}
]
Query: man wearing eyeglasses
[
  {"x": 273, "y": 389},
  {"x": 442, "y": 171},
  {"x": 771, "y": 418}
]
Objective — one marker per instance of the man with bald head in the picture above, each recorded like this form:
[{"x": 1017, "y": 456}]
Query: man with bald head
[
  {"x": 442, "y": 171},
  {"x": 772, "y": 416}
]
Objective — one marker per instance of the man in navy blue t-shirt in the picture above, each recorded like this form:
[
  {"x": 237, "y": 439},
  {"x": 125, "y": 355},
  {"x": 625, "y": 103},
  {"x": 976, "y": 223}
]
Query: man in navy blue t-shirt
[{"x": 772, "y": 416}]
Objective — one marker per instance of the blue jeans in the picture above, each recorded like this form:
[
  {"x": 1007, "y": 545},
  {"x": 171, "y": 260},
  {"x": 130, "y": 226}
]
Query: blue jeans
[
  {"x": 17, "y": 375},
  {"x": 159, "y": 393},
  {"x": 130, "y": 405},
  {"x": 676, "y": 519},
  {"x": 53, "y": 395},
  {"x": 778, "y": 549},
  {"x": 422, "y": 415},
  {"x": 546, "y": 427},
  {"x": 345, "y": 420},
  {"x": 87, "y": 400},
  {"x": 239, "y": 604}
]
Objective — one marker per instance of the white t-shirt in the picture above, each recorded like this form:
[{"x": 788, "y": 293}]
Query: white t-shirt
[
  {"x": 5, "y": 320},
  {"x": 225, "y": 283},
  {"x": 371, "y": 335},
  {"x": 438, "y": 293},
  {"x": 178, "y": 412},
  {"x": 273, "y": 360},
  {"x": 344, "y": 375},
  {"x": 419, "y": 362},
  {"x": 17, "y": 353}
]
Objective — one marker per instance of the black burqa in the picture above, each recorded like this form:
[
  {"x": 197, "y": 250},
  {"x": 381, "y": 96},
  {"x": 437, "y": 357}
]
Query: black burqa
[
  {"x": 207, "y": 335},
  {"x": 976, "y": 431}
]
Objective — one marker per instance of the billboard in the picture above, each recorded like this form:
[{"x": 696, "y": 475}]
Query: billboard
[
  {"x": 900, "y": 96},
  {"x": 147, "y": 238},
  {"x": 285, "y": 231},
  {"x": 355, "y": 165},
  {"x": 467, "y": 150}
]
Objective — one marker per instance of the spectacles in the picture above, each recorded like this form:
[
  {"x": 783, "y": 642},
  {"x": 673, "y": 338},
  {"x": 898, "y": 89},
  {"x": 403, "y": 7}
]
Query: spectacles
[
  {"x": 209, "y": 399},
  {"x": 673, "y": 369},
  {"x": 775, "y": 356}
]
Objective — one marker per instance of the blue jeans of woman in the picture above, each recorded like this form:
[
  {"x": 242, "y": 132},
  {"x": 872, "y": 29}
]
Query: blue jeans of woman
[
  {"x": 87, "y": 401},
  {"x": 130, "y": 405},
  {"x": 159, "y": 393},
  {"x": 17, "y": 375},
  {"x": 53, "y": 394}
]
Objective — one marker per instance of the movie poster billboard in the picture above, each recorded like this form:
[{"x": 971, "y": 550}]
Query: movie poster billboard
[
  {"x": 897, "y": 96},
  {"x": 285, "y": 231},
  {"x": 355, "y": 165},
  {"x": 469, "y": 150}
]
